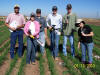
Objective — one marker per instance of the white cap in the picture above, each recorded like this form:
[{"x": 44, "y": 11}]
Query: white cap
[
  {"x": 17, "y": 6},
  {"x": 79, "y": 20}
]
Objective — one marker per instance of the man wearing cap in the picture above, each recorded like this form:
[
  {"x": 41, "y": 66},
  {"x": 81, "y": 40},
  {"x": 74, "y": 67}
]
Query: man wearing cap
[
  {"x": 15, "y": 22},
  {"x": 43, "y": 29},
  {"x": 54, "y": 23},
  {"x": 69, "y": 21}
]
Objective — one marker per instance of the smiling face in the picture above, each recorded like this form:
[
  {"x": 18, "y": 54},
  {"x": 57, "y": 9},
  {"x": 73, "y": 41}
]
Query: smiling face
[
  {"x": 81, "y": 25},
  {"x": 16, "y": 10},
  {"x": 54, "y": 11},
  {"x": 32, "y": 18},
  {"x": 69, "y": 10}
]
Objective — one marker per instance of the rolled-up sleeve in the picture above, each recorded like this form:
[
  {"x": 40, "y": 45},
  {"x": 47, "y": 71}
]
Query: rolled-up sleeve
[{"x": 23, "y": 20}]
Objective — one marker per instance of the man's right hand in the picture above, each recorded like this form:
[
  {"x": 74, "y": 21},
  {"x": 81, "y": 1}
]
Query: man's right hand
[{"x": 13, "y": 29}]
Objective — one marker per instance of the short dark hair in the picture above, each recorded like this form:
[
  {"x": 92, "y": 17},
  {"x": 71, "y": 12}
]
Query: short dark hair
[
  {"x": 38, "y": 10},
  {"x": 83, "y": 22},
  {"x": 69, "y": 6}
]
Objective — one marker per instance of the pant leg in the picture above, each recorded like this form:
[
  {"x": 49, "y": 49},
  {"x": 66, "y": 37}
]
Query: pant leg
[
  {"x": 83, "y": 49},
  {"x": 71, "y": 39},
  {"x": 64, "y": 45},
  {"x": 34, "y": 48},
  {"x": 56, "y": 50},
  {"x": 13, "y": 38},
  {"x": 90, "y": 49},
  {"x": 29, "y": 49},
  {"x": 20, "y": 42},
  {"x": 42, "y": 39},
  {"x": 52, "y": 42}
]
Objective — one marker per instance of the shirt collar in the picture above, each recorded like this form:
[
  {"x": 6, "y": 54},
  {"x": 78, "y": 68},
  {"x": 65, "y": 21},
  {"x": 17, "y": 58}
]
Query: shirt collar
[
  {"x": 54, "y": 15},
  {"x": 17, "y": 14}
]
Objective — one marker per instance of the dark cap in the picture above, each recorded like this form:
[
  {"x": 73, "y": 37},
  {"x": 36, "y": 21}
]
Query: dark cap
[
  {"x": 69, "y": 6},
  {"x": 32, "y": 15},
  {"x": 38, "y": 10},
  {"x": 54, "y": 8},
  {"x": 83, "y": 22}
]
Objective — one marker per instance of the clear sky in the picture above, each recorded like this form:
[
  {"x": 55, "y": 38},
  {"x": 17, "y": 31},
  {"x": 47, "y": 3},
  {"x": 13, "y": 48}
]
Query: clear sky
[{"x": 83, "y": 8}]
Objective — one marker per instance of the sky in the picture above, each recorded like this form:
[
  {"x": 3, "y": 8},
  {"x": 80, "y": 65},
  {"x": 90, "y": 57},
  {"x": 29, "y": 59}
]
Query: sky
[{"x": 83, "y": 8}]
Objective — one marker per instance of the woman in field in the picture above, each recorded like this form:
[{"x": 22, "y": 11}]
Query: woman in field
[
  {"x": 85, "y": 41},
  {"x": 32, "y": 29}
]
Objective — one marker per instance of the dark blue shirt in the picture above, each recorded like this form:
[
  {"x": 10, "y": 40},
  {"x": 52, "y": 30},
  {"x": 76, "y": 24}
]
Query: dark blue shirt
[{"x": 43, "y": 23}]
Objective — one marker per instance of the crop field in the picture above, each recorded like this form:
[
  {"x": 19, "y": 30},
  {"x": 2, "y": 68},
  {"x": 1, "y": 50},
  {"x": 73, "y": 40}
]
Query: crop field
[{"x": 46, "y": 65}]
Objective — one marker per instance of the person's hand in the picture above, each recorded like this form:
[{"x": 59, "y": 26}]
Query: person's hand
[
  {"x": 50, "y": 28},
  {"x": 79, "y": 45},
  {"x": 83, "y": 34},
  {"x": 12, "y": 28},
  {"x": 32, "y": 36}
]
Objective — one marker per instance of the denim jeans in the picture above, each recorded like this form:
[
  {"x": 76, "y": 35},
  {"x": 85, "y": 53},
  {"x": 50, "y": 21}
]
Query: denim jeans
[
  {"x": 14, "y": 35},
  {"x": 71, "y": 39},
  {"x": 42, "y": 39},
  {"x": 31, "y": 50},
  {"x": 54, "y": 43},
  {"x": 89, "y": 48}
]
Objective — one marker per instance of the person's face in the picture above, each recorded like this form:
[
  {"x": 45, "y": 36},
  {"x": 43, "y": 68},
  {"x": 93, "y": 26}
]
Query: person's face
[
  {"x": 54, "y": 11},
  {"x": 32, "y": 18},
  {"x": 38, "y": 14},
  {"x": 69, "y": 10},
  {"x": 81, "y": 25},
  {"x": 16, "y": 10}
]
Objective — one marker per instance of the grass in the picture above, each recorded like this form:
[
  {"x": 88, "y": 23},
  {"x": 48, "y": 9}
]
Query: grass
[
  {"x": 51, "y": 62},
  {"x": 12, "y": 65},
  {"x": 23, "y": 63},
  {"x": 41, "y": 66}
]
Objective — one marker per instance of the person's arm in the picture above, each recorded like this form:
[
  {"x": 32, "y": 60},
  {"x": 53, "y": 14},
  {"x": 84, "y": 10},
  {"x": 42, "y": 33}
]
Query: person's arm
[
  {"x": 26, "y": 29},
  {"x": 7, "y": 23},
  {"x": 48, "y": 21},
  {"x": 61, "y": 22},
  {"x": 91, "y": 34}
]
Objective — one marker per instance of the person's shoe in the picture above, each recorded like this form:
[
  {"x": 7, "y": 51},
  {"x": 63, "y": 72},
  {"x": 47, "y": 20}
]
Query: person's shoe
[
  {"x": 89, "y": 62},
  {"x": 33, "y": 63},
  {"x": 56, "y": 58}
]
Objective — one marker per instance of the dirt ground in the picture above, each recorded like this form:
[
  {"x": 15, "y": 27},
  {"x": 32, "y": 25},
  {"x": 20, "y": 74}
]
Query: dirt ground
[{"x": 92, "y": 21}]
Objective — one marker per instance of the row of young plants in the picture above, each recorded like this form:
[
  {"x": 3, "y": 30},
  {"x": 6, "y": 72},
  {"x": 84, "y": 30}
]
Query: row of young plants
[
  {"x": 95, "y": 66},
  {"x": 75, "y": 64},
  {"x": 13, "y": 63},
  {"x": 51, "y": 62}
]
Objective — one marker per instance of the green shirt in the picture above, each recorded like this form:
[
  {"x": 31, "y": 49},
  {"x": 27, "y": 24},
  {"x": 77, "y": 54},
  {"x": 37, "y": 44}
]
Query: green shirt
[{"x": 70, "y": 27}]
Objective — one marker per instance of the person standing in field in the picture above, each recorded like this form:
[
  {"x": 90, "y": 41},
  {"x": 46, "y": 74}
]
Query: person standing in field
[
  {"x": 69, "y": 21},
  {"x": 43, "y": 29},
  {"x": 15, "y": 22},
  {"x": 32, "y": 29},
  {"x": 54, "y": 23},
  {"x": 85, "y": 34}
]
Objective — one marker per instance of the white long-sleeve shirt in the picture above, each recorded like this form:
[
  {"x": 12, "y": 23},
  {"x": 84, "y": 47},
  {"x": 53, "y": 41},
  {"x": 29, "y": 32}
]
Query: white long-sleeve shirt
[{"x": 54, "y": 20}]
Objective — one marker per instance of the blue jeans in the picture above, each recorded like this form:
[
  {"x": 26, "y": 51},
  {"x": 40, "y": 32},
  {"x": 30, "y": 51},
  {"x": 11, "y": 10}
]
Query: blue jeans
[
  {"x": 42, "y": 39},
  {"x": 54, "y": 43},
  {"x": 13, "y": 37},
  {"x": 31, "y": 50},
  {"x": 89, "y": 48},
  {"x": 71, "y": 39}
]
